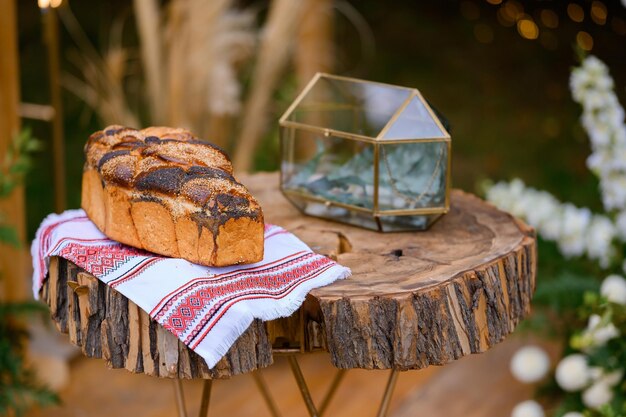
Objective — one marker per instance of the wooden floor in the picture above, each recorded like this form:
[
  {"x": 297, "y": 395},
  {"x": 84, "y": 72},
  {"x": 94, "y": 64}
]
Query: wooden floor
[{"x": 476, "y": 386}]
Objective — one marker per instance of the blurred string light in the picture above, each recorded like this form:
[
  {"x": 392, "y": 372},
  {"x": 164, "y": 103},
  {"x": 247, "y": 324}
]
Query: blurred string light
[
  {"x": 527, "y": 28},
  {"x": 575, "y": 12},
  {"x": 511, "y": 13},
  {"x": 598, "y": 12},
  {"x": 504, "y": 19},
  {"x": 584, "y": 40},
  {"x": 44, "y": 4},
  {"x": 549, "y": 19}
]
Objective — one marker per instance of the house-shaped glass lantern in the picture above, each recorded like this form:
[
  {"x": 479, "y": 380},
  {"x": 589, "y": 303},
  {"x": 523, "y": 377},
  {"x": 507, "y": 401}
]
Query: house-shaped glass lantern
[{"x": 365, "y": 153}]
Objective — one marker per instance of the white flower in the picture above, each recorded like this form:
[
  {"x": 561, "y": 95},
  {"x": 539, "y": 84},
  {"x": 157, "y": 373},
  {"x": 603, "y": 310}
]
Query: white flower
[
  {"x": 603, "y": 119},
  {"x": 600, "y": 237},
  {"x": 573, "y": 413},
  {"x": 574, "y": 223},
  {"x": 611, "y": 378},
  {"x": 551, "y": 230},
  {"x": 597, "y": 99},
  {"x": 613, "y": 186},
  {"x": 620, "y": 224},
  {"x": 614, "y": 289},
  {"x": 576, "y": 230},
  {"x": 597, "y": 334},
  {"x": 597, "y": 395},
  {"x": 594, "y": 65},
  {"x": 572, "y": 373},
  {"x": 600, "y": 135},
  {"x": 498, "y": 194},
  {"x": 542, "y": 214},
  {"x": 530, "y": 364},
  {"x": 528, "y": 408}
]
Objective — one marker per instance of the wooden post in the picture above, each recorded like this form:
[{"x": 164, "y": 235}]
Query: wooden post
[
  {"x": 51, "y": 39},
  {"x": 283, "y": 21},
  {"x": 314, "y": 52},
  {"x": 13, "y": 262},
  {"x": 315, "y": 41},
  {"x": 148, "y": 18}
]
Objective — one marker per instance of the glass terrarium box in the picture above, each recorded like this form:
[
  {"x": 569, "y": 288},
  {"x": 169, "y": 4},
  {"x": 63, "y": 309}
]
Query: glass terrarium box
[{"x": 365, "y": 153}]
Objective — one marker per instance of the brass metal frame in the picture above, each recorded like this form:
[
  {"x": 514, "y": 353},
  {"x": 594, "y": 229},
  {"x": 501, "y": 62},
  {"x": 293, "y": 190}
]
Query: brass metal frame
[{"x": 377, "y": 142}]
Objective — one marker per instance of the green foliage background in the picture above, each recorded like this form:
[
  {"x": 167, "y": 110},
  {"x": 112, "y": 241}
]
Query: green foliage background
[{"x": 19, "y": 388}]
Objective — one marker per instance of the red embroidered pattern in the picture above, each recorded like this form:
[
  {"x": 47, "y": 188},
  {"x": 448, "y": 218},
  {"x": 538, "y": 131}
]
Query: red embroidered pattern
[
  {"x": 272, "y": 281},
  {"x": 102, "y": 259}
]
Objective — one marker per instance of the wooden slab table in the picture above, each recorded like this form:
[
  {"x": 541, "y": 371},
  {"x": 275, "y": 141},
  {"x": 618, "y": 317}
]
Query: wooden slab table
[{"x": 414, "y": 300}]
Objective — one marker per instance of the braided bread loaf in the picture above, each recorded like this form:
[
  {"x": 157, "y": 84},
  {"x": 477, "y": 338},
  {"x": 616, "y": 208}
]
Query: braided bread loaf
[{"x": 163, "y": 190}]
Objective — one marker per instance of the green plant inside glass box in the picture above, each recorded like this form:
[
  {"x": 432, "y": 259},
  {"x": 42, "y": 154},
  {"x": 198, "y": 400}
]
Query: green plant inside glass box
[{"x": 365, "y": 153}]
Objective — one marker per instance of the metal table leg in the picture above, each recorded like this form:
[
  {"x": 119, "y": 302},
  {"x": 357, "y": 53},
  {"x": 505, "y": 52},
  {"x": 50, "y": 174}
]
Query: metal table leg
[
  {"x": 180, "y": 398},
  {"x": 302, "y": 385},
  {"x": 332, "y": 390},
  {"x": 391, "y": 385},
  {"x": 265, "y": 393},
  {"x": 206, "y": 398},
  {"x": 304, "y": 390}
]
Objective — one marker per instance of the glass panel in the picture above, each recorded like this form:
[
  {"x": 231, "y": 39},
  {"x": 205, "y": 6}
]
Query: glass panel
[
  {"x": 328, "y": 168},
  {"x": 361, "y": 219},
  {"x": 412, "y": 175},
  {"x": 415, "y": 122},
  {"x": 340, "y": 214},
  {"x": 357, "y": 107}
]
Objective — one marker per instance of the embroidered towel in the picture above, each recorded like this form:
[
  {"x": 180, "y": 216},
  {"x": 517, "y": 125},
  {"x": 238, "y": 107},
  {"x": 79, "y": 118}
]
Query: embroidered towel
[{"x": 207, "y": 308}]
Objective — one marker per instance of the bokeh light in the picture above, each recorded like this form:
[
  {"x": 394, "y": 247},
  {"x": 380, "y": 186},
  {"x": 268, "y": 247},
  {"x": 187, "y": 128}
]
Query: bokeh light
[
  {"x": 504, "y": 19},
  {"x": 575, "y": 12},
  {"x": 598, "y": 12},
  {"x": 527, "y": 29},
  {"x": 44, "y": 4},
  {"x": 584, "y": 40},
  {"x": 512, "y": 10},
  {"x": 549, "y": 19}
]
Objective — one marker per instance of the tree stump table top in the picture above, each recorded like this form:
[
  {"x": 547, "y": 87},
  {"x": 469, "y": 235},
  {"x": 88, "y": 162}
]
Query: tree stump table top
[{"x": 414, "y": 299}]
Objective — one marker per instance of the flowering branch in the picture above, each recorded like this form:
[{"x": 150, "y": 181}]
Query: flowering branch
[
  {"x": 603, "y": 119},
  {"x": 577, "y": 231},
  {"x": 592, "y": 375}
]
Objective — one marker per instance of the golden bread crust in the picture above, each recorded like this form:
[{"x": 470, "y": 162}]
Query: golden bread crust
[{"x": 164, "y": 190}]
